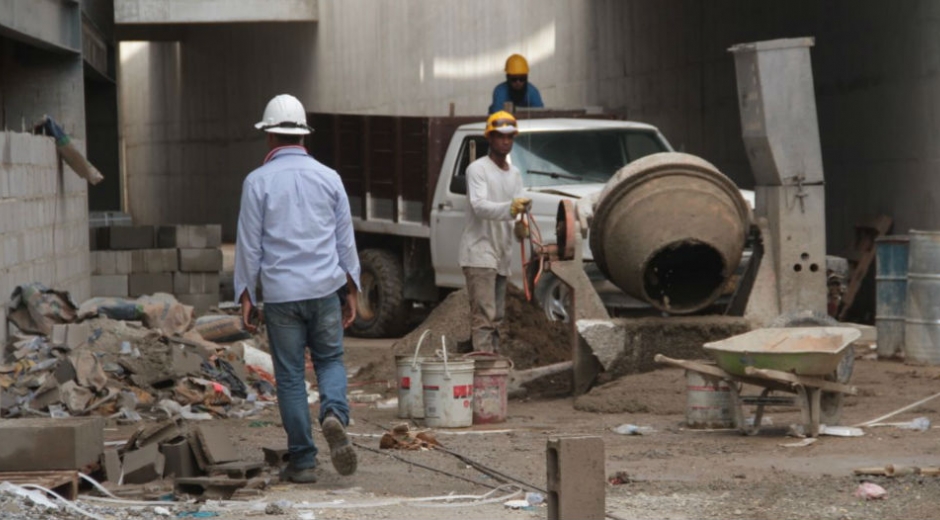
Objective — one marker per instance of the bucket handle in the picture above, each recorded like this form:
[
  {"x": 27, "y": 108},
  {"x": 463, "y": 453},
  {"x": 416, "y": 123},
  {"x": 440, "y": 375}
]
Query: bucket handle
[
  {"x": 414, "y": 363},
  {"x": 444, "y": 349},
  {"x": 480, "y": 354}
]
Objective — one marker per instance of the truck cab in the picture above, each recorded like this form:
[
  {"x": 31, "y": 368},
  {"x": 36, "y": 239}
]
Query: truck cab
[{"x": 558, "y": 159}]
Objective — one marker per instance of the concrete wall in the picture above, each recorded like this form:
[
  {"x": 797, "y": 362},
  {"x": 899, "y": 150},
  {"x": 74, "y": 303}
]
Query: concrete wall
[
  {"x": 663, "y": 62},
  {"x": 43, "y": 219}
]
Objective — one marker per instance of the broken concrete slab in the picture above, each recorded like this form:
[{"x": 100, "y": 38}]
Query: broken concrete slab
[
  {"x": 215, "y": 443},
  {"x": 159, "y": 433},
  {"x": 37, "y": 444},
  {"x": 143, "y": 465}
]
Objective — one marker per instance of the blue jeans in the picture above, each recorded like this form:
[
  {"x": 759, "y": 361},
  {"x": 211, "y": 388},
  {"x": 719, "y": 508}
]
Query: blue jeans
[{"x": 316, "y": 324}]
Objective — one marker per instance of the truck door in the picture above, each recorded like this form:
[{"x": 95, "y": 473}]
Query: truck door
[{"x": 450, "y": 212}]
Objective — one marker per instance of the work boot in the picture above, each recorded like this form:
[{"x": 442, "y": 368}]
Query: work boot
[
  {"x": 299, "y": 476},
  {"x": 342, "y": 453}
]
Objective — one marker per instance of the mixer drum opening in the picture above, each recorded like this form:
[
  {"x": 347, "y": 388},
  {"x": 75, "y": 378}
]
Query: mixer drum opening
[{"x": 683, "y": 275}]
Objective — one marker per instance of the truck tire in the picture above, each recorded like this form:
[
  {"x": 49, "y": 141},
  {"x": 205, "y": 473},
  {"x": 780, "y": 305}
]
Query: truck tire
[
  {"x": 553, "y": 297},
  {"x": 382, "y": 311},
  {"x": 830, "y": 412}
]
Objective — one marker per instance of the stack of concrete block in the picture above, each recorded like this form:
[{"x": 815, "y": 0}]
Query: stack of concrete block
[
  {"x": 132, "y": 261},
  {"x": 196, "y": 282}
]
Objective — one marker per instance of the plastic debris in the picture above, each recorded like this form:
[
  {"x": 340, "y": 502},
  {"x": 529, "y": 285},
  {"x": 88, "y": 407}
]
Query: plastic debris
[
  {"x": 517, "y": 504},
  {"x": 840, "y": 431},
  {"x": 162, "y": 511},
  {"x": 920, "y": 424},
  {"x": 870, "y": 491},
  {"x": 632, "y": 429},
  {"x": 534, "y": 499}
]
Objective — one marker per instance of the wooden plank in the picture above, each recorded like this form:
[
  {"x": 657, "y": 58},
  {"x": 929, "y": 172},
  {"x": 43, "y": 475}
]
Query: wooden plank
[
  {"x": 694, "y": 366},
  {"x": 64, "y": 482},
  {"x": 807, "y": 381},
  {"x": 866, "y": 245}
]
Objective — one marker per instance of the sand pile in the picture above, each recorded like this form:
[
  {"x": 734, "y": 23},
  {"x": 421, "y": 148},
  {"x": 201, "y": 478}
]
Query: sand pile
[{"x": 526, "y": 336}]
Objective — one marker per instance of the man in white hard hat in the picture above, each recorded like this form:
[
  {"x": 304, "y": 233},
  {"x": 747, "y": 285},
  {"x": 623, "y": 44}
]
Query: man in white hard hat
[
  {"x": 495, "y": 194},
  {"x": 295, "y": 232}
]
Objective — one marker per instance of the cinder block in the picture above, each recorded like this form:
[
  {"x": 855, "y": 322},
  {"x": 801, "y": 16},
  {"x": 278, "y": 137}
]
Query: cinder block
[
  {"x": 115, "y": 285},
  {"x": 576, "y": 478},
  {"x": 111, "y": 462},
  {"x": 190, "y": 237},
  {"x": 154, "y": 261},
  {"x": 201, "y": 303},
  {"x": 139, "y": 284},
  {"x": 125, "y": 237},
  {"x": 195, "y": 283},
  {"x": 39, "y": 444},
  {"x": 180, "y": 461},
  {"x": 110, "y": 262},
  {"x": 143, "y": 465},
  {"x": 200, "y": 260}
]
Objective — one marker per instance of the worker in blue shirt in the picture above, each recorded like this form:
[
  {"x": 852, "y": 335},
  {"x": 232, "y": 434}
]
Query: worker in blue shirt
[
  {"x": 516, "y": 88},
  {"x": 295, "y": 232}
]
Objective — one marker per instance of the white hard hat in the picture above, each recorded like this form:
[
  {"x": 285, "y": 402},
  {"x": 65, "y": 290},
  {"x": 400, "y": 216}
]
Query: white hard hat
[{"x": 284, "y": 115}]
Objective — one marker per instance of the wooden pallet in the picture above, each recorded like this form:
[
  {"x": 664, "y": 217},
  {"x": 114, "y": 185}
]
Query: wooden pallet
[{"x": 63, "y": 482}]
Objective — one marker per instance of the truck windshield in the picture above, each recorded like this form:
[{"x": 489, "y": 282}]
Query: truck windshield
[{"x": 579, "y": 156}]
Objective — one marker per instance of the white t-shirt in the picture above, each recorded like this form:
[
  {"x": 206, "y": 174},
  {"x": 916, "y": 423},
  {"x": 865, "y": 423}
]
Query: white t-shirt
[{"x": 487, "y": 237}]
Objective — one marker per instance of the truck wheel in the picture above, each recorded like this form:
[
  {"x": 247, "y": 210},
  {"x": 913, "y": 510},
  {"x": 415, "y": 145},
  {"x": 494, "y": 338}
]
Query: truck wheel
[
  {"x": 553, "y": 296},
  {"x": 382, "y": 309},
  {"x": 830, "y": 409}
]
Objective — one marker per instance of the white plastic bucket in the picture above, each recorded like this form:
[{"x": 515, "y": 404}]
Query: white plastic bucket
[
  {"x": 490, "y": 387},
  {"x": 709, "y": 402},
  {"x": 410, "y": 391},
  {"x": 448, "y": 392}
]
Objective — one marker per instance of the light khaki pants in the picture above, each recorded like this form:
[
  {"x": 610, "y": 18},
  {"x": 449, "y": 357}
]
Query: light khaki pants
[{"x": 487, "y": 292}]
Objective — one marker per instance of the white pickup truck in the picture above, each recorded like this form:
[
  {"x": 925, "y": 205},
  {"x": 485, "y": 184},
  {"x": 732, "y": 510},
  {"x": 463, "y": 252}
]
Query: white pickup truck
[{"x": 407, "y": 190}]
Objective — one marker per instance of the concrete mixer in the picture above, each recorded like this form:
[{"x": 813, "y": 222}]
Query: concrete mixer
[{"x": 670, "y": 228}]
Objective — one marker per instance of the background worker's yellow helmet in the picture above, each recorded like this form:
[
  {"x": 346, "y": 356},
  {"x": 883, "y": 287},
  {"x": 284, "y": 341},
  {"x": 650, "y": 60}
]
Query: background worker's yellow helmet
[
  {"x": 516, "y": 65},
  {"x": 502, "y": 122}
]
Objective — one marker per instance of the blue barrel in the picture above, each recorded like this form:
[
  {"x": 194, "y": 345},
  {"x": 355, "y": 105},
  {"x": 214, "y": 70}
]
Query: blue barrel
[
  {"x": 922, "y": 312},
  {"x": 891, "y": 289}
]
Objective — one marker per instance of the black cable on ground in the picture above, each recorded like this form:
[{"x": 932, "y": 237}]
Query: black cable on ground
[{"x": 418, "y": 464}]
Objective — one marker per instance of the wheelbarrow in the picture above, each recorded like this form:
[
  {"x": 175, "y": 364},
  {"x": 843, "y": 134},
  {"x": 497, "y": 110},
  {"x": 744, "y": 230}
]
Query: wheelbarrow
[{"x": 801, "y": 361}]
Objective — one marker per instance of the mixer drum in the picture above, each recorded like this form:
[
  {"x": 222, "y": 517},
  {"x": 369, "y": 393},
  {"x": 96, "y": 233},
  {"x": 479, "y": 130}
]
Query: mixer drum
[{"x": 670, "y": 229}]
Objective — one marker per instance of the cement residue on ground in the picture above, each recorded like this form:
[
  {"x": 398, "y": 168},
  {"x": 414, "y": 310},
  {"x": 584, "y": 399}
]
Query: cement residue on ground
[{"x": 659, "y": 393}]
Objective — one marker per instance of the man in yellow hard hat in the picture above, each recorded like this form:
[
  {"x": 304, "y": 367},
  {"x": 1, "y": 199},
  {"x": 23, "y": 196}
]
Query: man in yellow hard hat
[
  {"x": 516, "y": 88},
  {"x": 495, "y": 193}
]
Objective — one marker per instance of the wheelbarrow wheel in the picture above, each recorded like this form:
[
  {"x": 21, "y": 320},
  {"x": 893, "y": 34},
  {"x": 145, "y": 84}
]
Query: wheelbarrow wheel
[{"x": 830, "y": 403}]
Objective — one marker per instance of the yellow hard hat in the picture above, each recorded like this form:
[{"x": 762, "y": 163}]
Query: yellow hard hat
[
  {"x": 516, "y": 65},
  {"x": 502, "y": 122}
]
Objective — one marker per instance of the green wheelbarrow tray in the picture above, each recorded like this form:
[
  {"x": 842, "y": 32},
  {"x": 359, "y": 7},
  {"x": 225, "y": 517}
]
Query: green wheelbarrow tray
[{"x": 807, "y": 351}]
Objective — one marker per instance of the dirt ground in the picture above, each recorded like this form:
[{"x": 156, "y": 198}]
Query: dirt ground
[{"x": 670, "y": 472}]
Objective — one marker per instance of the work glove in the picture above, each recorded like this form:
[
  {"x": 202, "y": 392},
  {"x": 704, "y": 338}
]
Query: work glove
[
  {"x": 521, "y": 230},
  {"x": 519, "y": 205}
]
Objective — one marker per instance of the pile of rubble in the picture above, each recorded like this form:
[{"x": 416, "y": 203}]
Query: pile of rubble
[{"x": 121, "y": 358}]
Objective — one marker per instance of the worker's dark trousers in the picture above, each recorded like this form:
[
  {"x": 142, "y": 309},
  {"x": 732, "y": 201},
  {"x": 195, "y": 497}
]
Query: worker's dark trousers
[{"x": 487, "y": 292}]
